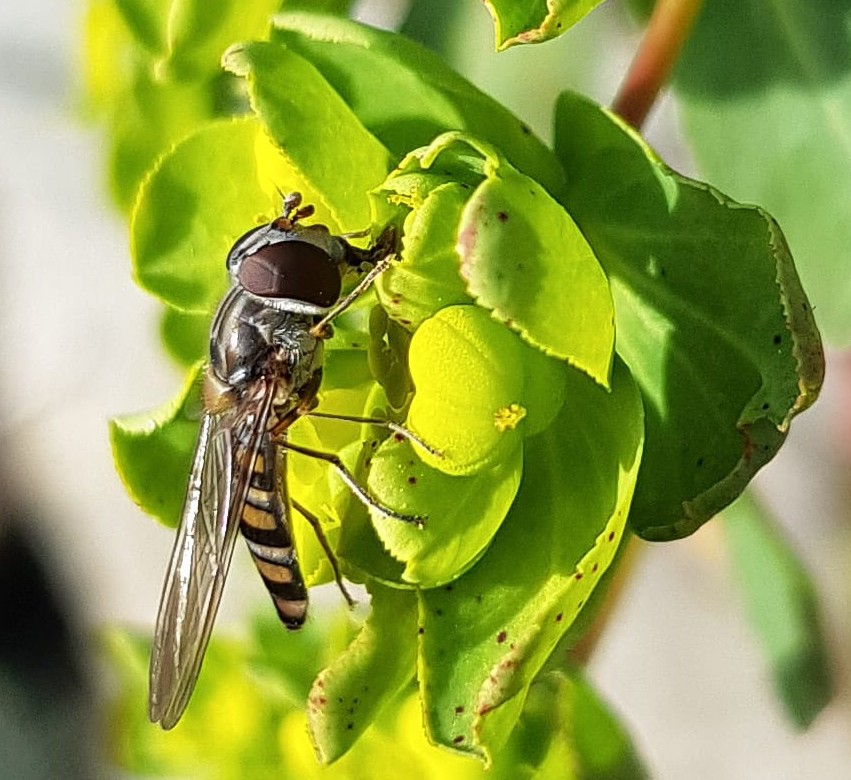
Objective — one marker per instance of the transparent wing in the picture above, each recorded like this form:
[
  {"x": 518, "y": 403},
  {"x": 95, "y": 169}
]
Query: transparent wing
[{"x": 218, "y": 485}]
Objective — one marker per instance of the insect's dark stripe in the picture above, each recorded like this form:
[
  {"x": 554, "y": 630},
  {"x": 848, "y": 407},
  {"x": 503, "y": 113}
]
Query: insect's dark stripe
[
  {"x": 291, "y": 612},
  {"x": 289, "y": 591},
  {"x": 267, "y": 537},
  {"x": 265, "y": 528},
  {"x": 263, "y": 478}
]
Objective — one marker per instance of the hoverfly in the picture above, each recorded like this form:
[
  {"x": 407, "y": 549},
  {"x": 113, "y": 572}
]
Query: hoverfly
[{"x": 264, "y": 373}]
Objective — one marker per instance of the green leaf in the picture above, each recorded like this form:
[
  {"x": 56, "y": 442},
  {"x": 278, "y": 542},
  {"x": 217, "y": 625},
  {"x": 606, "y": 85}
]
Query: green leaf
[
  {"x": 711, "y": 318},
  {"x": 346, "y": 386},
  {"x": 388, "y": 359},
  {"x": 146, "y": 21},
  {"x": 486, "y": 636},
  {"x": 153, "y": 451},
  {"x": 520, "y": 253},
  {"x": 363, "y": 553},
  {"x": 471, "y": 401},
  {"x": 566, "y": 731},
  {"x": 348, "y": 695},
  {"x": 112, "y": 56},
  {"x": 603, "y": 746},
  {"x": 524, "y": 258},
  {"x": 462, "y": 513},
  {"x": 198, "y": 200},
  {"x": 783, "y": 607},
  {"x": 144, "y": 117},
  {"x": 406, "y": 95},
  {"x": 426, "y": 278},
  {"x": 246, "y": 710},
  {"x": 535, "y": 21},
  {"x": 198, "y": 36},
  {"x": 285, "y": 663},
  {"x": 765, "y": 94},
  {"x": 318, "y": 134},
  {"x": 185, "y": 336},
  {"x": 359, "y": 547},
  {"x": 338, "y": 7},
  {"x": 148, "y": 119}
]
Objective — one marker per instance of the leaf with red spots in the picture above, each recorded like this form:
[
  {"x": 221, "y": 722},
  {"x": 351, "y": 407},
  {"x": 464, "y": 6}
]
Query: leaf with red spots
[
  {"x": 470, "y": 216},
  {"x": 426, "y": 277},
  {"x": 462, "y": 513},
  {"x": 350, "y": 693},
  {"x": 524, "y": 258},
  {"x": 711, "y": 318},
  {"x": 486, "y": 639}
]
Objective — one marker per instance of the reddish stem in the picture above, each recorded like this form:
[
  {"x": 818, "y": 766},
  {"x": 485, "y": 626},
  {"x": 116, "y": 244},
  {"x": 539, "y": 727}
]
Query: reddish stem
[{"x": 667, "y": 31}]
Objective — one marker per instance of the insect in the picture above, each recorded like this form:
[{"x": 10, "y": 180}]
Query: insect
[{"x": 264, "y": 373}]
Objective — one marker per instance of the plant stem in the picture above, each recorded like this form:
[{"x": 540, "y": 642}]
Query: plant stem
[{"x": 667, "y": 31}]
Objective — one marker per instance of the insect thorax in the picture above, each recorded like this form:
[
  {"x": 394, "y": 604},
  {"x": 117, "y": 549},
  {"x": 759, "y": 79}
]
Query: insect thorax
[{"x": 250, "y": 340}]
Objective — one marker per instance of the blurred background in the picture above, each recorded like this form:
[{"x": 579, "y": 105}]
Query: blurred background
[{"x": 80, "y": 344}]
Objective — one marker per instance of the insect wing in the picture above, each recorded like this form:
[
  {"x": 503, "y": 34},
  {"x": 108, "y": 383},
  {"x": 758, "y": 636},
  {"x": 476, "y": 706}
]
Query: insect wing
[{"x": 227, "y": 447}]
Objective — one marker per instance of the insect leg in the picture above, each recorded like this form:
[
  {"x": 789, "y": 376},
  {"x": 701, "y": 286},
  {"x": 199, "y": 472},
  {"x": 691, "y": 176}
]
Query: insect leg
[
  {"x": 356, "y": 234},
  {"x": 323, "y": 541},
  {"x": 399, "y": 430},
  {"x": 347, "y": 477},
  {"x": 319, "y": 330}
]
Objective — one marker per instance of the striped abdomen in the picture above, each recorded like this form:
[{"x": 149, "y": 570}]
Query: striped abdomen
[{"x": 265, "y": 526}]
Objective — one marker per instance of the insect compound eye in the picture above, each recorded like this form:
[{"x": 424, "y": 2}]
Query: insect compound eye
[{"x": 292, "y": 269}]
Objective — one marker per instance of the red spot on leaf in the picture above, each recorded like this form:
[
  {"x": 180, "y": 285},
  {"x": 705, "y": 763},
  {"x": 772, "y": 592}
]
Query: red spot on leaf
[
  {"x": 458, "y": 740},
  {"x": 559, "y": 617},
  {"x": 611, "y": 536},
  {"x": 578, "y": 575},
  {"x": 412, "y": 480},
  {"x": 459, "y": 709},
  {"x": 502, "y": 216},
  {"x": 500, "y": 637}
]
